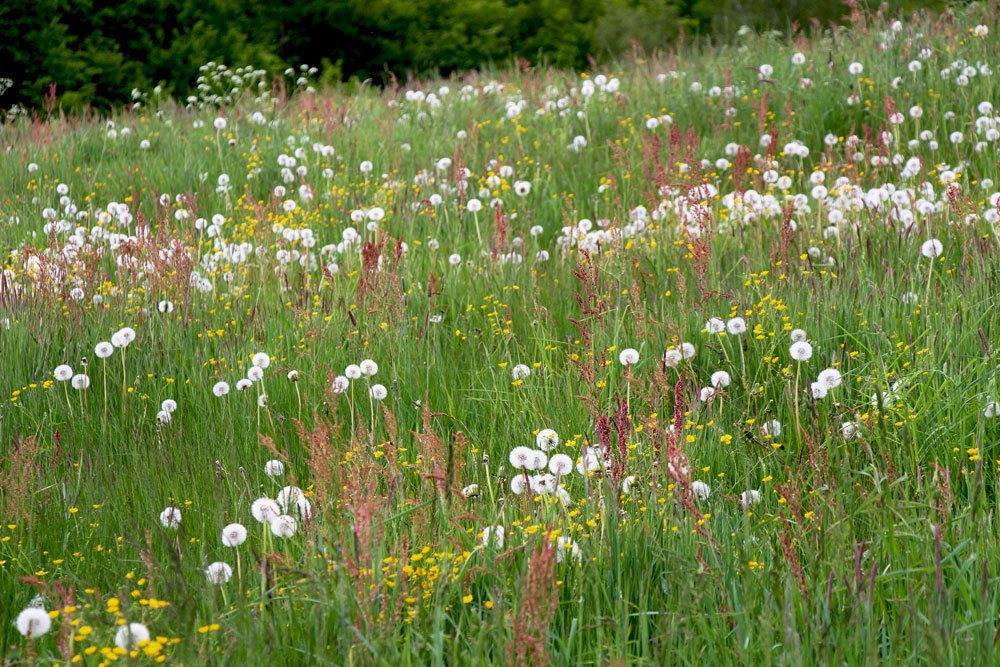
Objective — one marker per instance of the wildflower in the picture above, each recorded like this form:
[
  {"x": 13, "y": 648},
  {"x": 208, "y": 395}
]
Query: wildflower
[
  {"x": 566, "y": 545},
  {"x": 522, "y": 188},
  {"x": 274, "y": 468},
  {"x": 547, "y": 440},
  {"x": 561, "y": 465},
  {"x": 627, "y": 485},
  {"x": 379, "y": 392},
  {"x": 243, "y": 384},
  {"x": 701, "y": 490},
  {"x": 520, "y": 372},
  {"x": 234, "y": 535},
  {"x": 261, "y": 360},
  {"x": 801, "y": 351},
  {"x": 219, "y": 123},
  {"x": 771, "y": 428},
  {"x": 80, "y": 381},
  {"x": 720, "y": 379},
  {"x": 368, "y": 367},
  {"x": 474, "y": 206},
  {"x": 103, "y": 350},
  {"x": 629, "y": 357},
  {"x": 123, "y": 337},
  {"x": 163, "y": 417},
  {"x": 830, "y": 378},
  {"x": 255, "y": 374},
  {"x": 855, "y": 69},
  {"x": 819, "y": 390},
  {"x": 798, "y": 335},
  {"x": 850, "y": 430},
  {"x": 353, "y": 372},
  {"x": 288, "y": 497},
  {"x": 521, "y": 458},
  {"x": 283, "y": 526},
  {"x": 736, "y": 326},
  {"x": 493, "y": 536},
  {"x": 715, "y": 326},
  {"x": 264, "y": 510},
  {"x": 219, "y": 573},
  {"x": 168, "y": 405},
  {"x": 33, "y": 622},
  {"x": 220, "y": 389},
  {"x": 992, "y": 409},
  {"x": 131, "y": 635},
  {"x": 340, "y": 384},
  {"x": 751, "y": 497},
  {"x": 455, "y": 259},
  {"x": 62, "y": 373},
  {"x": 518, "y": 485},
  {"x": 672, "y": 358},
  {"x": 931, "y": 248},
  {"x": 293, "y": 376},
  {"x": 170, "y": 517}
]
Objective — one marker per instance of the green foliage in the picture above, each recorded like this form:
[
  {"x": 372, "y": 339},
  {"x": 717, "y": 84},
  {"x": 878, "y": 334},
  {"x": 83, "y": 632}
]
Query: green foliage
[{"x": 97, "y": 51}]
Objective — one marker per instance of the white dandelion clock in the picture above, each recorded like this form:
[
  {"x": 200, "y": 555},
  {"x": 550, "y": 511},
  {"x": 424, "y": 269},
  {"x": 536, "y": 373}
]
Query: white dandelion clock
[
  {"x": 830, "y": 378},
  {"x": 103, "y": 350},
  {"x": 931, "y": 248},
  {"x": 63, "y": 373},
  {"x": 288, "y": 497},
  {"x": 493, "y": 537},
  {"x": 566, "y": 547},
  {"x": 701, "y": 490},
  {"x": 234, "y": 535},
  {"x": 720, "y": 379},
  {"x": 33, "y": 622},
  {"x": 220, "y": 389},
  {"x": 715, "y": 326},
  {"x": 520, "y": 372},
  {"x": 80, "y": 381},
  {"x": 131, "y": 635},
  {"x": 561, "y": 465},
  {"x": 547, "y": 440},
  {"x": 264, "y": 510},
  {"x": 627, "y": 485},
  {"x": 991, "y": 410},
  {"x": 284, "y": 526},
  {"x": 751, "y": 497},
  {"x": 353, "y": 372},
  {"x": 368, "y": 367},
  {"x": 521, "y": 458},
  {"x": 736, "y": 326},
  {"x": 261, "y": 360},
  {"x": 219, "y": 573},
  {"x": 340, "y": 384},
  {"x": 379, "y": 392},
  {"x": 798, "y": 335},
  {"x": 801, "y": 351},
  {"x": 672, "y": 358},
  {"x": 170, "y": 517},
  {"x": 274, "y": 468},
  {"x": 629, "y": 357}
]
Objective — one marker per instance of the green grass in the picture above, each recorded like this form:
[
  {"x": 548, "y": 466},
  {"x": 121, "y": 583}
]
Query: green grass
[{"x": 875, "y": 549}]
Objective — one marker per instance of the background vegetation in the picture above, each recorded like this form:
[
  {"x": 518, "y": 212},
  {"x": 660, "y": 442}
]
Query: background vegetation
[{"x": 96, "y": 52}]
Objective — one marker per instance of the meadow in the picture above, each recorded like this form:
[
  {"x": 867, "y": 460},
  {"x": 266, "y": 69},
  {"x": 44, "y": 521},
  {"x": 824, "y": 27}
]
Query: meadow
[{"x": 691, "y": 358}]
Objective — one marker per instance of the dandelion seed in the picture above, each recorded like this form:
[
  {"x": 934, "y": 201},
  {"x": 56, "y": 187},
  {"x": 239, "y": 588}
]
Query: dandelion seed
[
  {"x": 243, "y": 384},
  {"x": 720, "y": 379},
  {"x": 104, "y": 350},
  {"x": 288, "y": 497},
  {"x": 220, "y": 389},
  {"x": 168, "y": 405},
  {"x": 520, "y": 372},
  {"x": 751, "y": 497},
  {"x": 368, "y": 367},
  {"x": 798, "y": 335},
  {"x": 62, "y": 373},
  {"x": 715, "y": 326},
  {"x": 274, "y": 468},
  {"x": 561, "y": 464},
  {"x": 736, "y": 326},
  {"x": 293, "y": 376},
  {"x": 255, "y": 374},
  {"x": 627, "y": 485},
  {"x": 818, "y": 390},
  {"x": 340, "y": 384},
  {"x": 831, "y": 378},
  {"x": 672, "y": 358},
  {"x": 992, "y": 409},
  {"x": 131, "y": 635},
  {"x": 261, "y": 360},
  {"x": 931, "y": 248},
  {"x": 353, "y": 372},
  {"x": 379, "y": 392}
]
